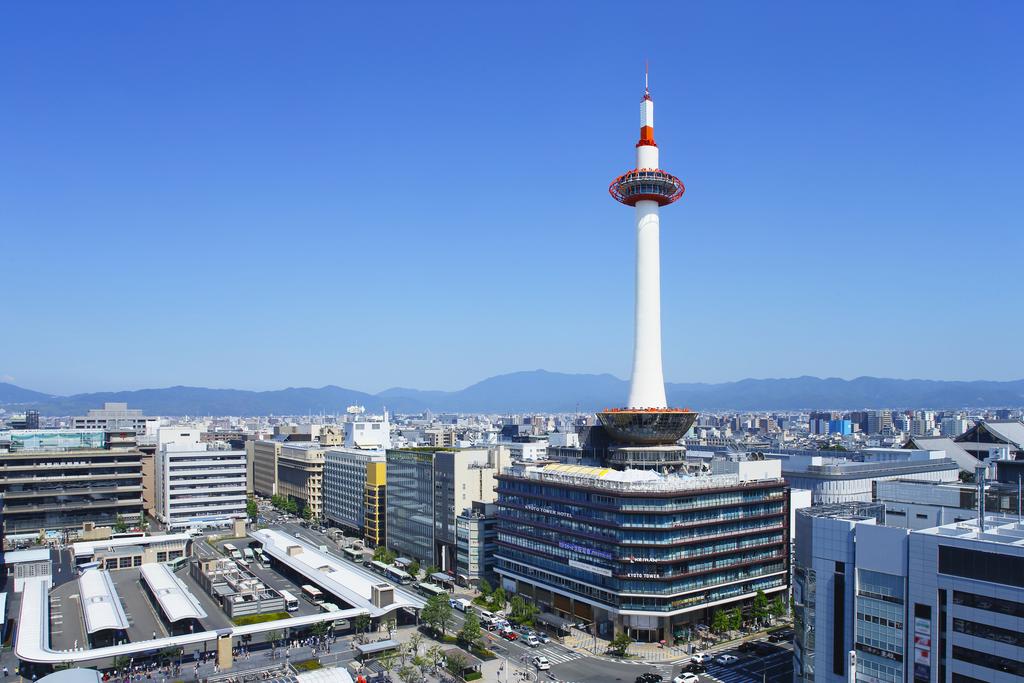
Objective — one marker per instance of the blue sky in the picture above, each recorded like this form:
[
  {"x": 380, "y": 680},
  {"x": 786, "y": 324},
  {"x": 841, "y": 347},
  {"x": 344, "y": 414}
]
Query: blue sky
[{"x": 259, "y": 194}]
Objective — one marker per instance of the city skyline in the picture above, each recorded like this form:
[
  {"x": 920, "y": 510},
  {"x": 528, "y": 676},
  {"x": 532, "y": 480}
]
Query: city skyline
[{"x": 240, "y": 169}]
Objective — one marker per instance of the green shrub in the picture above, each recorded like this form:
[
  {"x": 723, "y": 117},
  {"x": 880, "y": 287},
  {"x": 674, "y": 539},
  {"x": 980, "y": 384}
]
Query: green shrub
[
  {"x": 473, "y": 676},
  {"x": 259, "y": 618},
  {"x": 308, "y": 665}
]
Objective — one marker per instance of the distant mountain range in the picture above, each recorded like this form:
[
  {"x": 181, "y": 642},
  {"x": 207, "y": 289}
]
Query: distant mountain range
[{"x": 541, "y": 391}]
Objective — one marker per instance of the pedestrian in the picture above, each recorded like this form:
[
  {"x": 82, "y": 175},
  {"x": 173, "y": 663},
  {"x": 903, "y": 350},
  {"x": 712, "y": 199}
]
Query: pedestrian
[{"x": 6, "y": 673}]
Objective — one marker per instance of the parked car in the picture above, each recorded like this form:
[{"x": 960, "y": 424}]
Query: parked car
[
  {"x": 701, "y": 657},
  {"x": 543, "y": 637},
  {"x": 648, "y": 677},
  {"x": 686, "y": 677},
  {"x": 727, "y": 660}
]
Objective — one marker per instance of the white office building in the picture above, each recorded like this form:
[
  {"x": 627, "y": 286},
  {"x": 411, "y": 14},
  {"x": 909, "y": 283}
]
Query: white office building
[
  {"x": 197, "y": 486},
  {"x": 367, "y": 432},
  {"x": 115, "y": 416},
  {"x": 852, "y": 478},
  {"x": 938, "y": 605}
]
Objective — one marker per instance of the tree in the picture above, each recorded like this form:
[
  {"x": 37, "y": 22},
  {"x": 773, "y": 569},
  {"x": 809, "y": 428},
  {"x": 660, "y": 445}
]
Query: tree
[
  {"x": 433, "y": 569},
  {"x": 390, "y": 623},
  {"x": 120, "y": 526},
  {"x": 498, "y": 599},
  {"x": 143, "y": 522},
  {"x": 273, "y": 637},
  {"x": 777, "y": 607},
  {"x": 456, "y": 663},
  {"x": 485, "y": 588},
  {"x": 251, "y": 509},
  {"x": 414, "y": 569},
  {"x": 760, "y": 609},
  {"x": 319, "y": 629},
  {"x": 522, "y": 612},
  {"x": 362, "y": 624},
  {"x": 470, "y": 632},
  {"x": 620, "y": 644},
  {"x": 735, "y": 619},
  {"x": 434, "y": 655},
  {"x": 415, "y": 641},
  {"x": 409, "y": 674},
  {"x": 388, "y": 659},
  {"x": 307, "y": 513},
  {"x": 719, "y": 621},
  {"x": 382, "y": 554},
  {"x": 437, "y": 613}
]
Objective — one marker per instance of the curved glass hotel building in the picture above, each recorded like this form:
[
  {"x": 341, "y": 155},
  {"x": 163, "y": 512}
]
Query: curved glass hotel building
[{"x": 641, "y": 551}]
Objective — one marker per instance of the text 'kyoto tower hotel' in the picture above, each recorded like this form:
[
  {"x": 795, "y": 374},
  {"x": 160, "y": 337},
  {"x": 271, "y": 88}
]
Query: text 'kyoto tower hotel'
[{"x": 618, "y": 534}]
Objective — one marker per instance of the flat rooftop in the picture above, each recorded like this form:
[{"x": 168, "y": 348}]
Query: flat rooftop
[
  {"x": 623, "y": 480},
  {"x": 350, "y": 583},
  {"x": 1000, "y": 530},
  {"x": 32, "y": 555},
  {"x": 89, "y": 548}
]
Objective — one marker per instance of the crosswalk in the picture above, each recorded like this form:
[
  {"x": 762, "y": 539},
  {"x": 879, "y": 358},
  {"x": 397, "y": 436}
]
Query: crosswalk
[{"x": 557, "y": 654}]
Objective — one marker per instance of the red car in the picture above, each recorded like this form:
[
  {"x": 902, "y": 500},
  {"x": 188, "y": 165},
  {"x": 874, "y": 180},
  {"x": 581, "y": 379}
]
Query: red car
[{"x": 510, "y": 636}]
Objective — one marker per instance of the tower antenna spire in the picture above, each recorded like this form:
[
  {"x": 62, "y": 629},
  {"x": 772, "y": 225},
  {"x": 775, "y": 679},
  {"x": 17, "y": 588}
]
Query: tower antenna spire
[{"x": 647, "y": 69}]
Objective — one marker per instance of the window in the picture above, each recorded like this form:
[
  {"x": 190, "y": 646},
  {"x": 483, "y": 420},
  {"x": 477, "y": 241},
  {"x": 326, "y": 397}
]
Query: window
[{"x": 981, "y": 565}]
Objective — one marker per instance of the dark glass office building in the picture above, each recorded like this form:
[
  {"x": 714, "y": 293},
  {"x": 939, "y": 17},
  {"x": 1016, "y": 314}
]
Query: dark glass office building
[{"x": 641, "y": 551}]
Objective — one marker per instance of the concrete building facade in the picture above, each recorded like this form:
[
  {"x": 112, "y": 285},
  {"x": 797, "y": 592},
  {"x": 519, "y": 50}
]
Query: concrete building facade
[
  {"x": 197, "y": 486},
  {"x": 60, "y": 480}
]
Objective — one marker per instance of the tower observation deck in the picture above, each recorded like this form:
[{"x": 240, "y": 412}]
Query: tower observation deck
[{"x": 647, "y": 420}]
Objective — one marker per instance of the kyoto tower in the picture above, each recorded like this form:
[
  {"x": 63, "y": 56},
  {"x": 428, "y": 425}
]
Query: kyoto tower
[{"x": 647, "y": 419}]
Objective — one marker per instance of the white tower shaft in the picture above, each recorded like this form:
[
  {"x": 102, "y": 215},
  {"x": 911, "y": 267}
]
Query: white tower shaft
[{"x": 647, "y": 389}]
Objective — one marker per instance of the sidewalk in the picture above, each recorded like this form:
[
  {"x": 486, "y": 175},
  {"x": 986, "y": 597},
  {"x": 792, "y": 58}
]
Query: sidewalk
[{"x": 653, "y": 653}]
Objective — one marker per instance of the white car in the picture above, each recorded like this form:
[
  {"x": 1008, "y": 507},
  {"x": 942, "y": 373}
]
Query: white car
[
  {"x": 686, "y": 677},
  {"x": 541, "y": 663},
  {"x": 532, "y": 641},
  {"x": 727, "y": 660},
  {"x": 701, "y": 657}
]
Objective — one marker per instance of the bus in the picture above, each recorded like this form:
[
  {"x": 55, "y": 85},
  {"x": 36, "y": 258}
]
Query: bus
[
  {"x": 260, "y": 557},
  {"x": 178, "y": 563},
  {"x": 291, "y": 603},
  {"x": 232, "y": 552},
  {"x": 393, "y": 573},
  {"x": 248, "y": 555},
  {"x": 430, "y": 589},
  {"x": 353, "y": 554},
  {"x": 397, "y": 575},
  {"x": 312, "y": 594}
]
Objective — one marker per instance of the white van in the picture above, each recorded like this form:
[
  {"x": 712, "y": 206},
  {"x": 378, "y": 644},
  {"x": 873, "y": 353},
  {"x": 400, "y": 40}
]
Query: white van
[
  {"x": 461, "y": 604},
  {"x": 485, "y": 616}
]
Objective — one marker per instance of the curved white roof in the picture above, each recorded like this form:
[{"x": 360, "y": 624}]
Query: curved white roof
[
  {"x": 100, "y": 605},
  {"x": 352, "y": 584},
  {"x": 32, "y": 642},
  {"x": 174, "y": 597}
]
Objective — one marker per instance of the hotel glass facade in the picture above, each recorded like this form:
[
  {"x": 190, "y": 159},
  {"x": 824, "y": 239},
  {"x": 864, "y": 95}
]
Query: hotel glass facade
[
  {"x": 648, "y": 558},
  {"x": 410, "y": 504}
]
